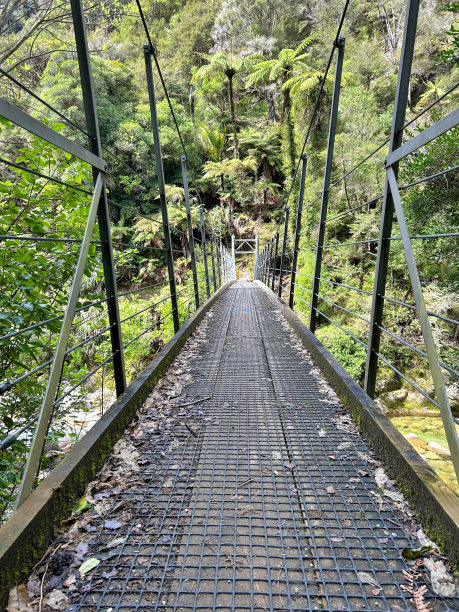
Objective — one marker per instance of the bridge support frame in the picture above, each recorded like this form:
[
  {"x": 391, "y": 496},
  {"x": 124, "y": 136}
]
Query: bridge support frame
[
  {"x": 296, "y": 245},
  {"x": 184, "y": 160},
  {"x": 284, "y": 246},
  {"x": 148, "y": 51},
  {"x": 204, "y": 250},
  {"x": 326, "y": 186}
]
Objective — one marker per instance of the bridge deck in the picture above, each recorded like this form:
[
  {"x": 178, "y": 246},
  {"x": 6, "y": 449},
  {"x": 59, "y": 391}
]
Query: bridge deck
[{"x": 260, "y": 497}]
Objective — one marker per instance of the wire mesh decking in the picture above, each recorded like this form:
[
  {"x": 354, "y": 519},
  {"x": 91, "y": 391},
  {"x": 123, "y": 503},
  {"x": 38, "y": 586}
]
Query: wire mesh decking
[{"x": 255, "y": 500}]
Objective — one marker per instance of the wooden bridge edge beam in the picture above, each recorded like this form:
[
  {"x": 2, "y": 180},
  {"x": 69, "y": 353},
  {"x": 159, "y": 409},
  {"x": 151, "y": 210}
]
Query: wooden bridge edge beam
[
  {"x": 25, "y": 536},
  {"x": 435, "y": 504}
]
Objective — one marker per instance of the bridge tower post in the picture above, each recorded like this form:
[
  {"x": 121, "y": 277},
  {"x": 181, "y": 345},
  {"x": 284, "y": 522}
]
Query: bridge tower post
[
  {"x": 326, "y": 185},
  {"x": 255, "y": 267},
  {"x": 148, "y": 51},
  {"x": 190, "y": 230},
  {"x": 284, "y": 246},
  {"x": 304, "y": 161},
  {"x": 212, "y": 256},
  {"x": 387, "y": 212},
  {"x": 276, "y": 248},
  {"x": 204, "y": 250}
]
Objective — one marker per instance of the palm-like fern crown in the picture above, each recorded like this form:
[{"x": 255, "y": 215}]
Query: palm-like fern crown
[
  {"x": 217, "y": 64},
  {"x": 282, "y": 68}
]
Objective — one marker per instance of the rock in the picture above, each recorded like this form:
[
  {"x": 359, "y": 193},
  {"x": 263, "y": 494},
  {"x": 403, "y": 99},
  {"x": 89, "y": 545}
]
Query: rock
[
  {"x": 438, "y": 448},
  {"x": 453, "y": 396},
  {"x": 410, "y": 436},
  {"x": 56, "y": 600},
  {"x": 385, "y": 385},
  {"x": 394, "y": 399}
]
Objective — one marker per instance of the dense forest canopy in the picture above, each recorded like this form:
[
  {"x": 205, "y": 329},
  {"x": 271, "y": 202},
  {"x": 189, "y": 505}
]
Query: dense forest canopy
[{"x": 243, "y": 77}]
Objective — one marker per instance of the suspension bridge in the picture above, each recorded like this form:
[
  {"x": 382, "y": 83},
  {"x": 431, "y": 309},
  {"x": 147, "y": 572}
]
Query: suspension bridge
[{"x": 244, "y": 468}]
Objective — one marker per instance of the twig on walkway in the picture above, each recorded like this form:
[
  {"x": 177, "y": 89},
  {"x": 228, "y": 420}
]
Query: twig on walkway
[
  {"x": 198, "y": 401},
  {"x": 245, "y": 483}
]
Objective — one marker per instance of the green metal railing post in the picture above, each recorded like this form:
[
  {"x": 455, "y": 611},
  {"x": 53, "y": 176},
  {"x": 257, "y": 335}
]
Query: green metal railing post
[
  {"x": 263, "y": 269},
  {"x": 219, "y": 264},
  {"x": 204, "y": 250},
  {"x": 190, "y": 230},
  {"x": 276, "y": 240},
  {"x": 161, "y": 185},
  {"x": 269, "y": 256},
  {"x": 284, "y": 246},
  {"x": 387, "y": 213},
  {"x": 212, "y": 256},
  {"x": 326, "y": 185},
  {"x": 304, "y": 161},
  {"x": 103, "y": 217}
]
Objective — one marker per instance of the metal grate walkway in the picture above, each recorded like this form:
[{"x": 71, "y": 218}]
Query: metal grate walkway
[{"x": 255, "y": 501}]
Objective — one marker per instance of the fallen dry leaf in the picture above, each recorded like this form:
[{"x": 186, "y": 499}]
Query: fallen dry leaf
[
  {"x": 367, "y": 579},
  {"x": 331, "y": 490},
  {"x": 344, "y": 445},
  {"x": 142, "y": 560},
  {"x": 18, "y": 600},
  {"x": 363, "y": 473},
  {"x": 57, "y": 600},
  {"x": 442, "y": 581},
  {"x": 112, "y": 524}
]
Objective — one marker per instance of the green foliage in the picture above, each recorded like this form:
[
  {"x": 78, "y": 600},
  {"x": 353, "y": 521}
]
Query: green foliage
[{"x": 349, "y": 353}]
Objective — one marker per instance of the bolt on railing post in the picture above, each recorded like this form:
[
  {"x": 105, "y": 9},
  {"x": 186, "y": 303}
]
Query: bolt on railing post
[
  {"x": 190, "y": 230},
  {"x": 273, "y": 279},
  {"x": 304, "y": 160},
  {"x": 161, "y": 184},
  {"x": 212, "y": 256},
  {"x": 326, "y": 185},
  {"x": 284, "y": 246},
  {"x": 204, "y": 250},
  {"x": 387, "y": 211}
]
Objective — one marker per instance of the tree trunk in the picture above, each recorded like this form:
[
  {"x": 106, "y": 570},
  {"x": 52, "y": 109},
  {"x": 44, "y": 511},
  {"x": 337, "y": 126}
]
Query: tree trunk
[
  {"x": 271, "y": 106},
  {"x": 222, "y": 186},
  {"x": 191, "y": 99},
  {"x": 233, "y": 117},
  {"x": 285, "y": 104}
]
